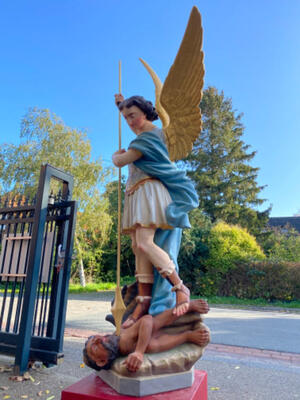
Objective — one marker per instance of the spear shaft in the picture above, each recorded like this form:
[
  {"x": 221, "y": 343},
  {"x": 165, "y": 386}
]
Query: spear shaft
[{"x": 118, "y": 307}]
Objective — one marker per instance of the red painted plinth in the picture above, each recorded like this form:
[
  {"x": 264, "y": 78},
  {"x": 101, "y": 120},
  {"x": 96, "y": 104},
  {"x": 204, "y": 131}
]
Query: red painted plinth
[{"x": 93, "y": 388}]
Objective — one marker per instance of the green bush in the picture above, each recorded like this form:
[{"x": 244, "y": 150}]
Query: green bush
[
  {"x": 281, "y": 244},
  {"x": 227, "y": 245},
  {"x": 194, "y": 250},
  {"x": 268, "y": 280}
]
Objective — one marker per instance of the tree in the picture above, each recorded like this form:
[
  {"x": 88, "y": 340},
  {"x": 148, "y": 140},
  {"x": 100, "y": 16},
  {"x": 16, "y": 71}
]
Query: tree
[
  {"x": 46, "y": 139},
  {"x": 219, "y": 166},
  {"x": 127, "y": 261},
  {"x": 282, "y": 244}
]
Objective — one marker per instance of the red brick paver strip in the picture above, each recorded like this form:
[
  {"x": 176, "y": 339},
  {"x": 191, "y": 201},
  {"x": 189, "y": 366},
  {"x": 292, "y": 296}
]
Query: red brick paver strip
[{"x": 249, "y": 351}]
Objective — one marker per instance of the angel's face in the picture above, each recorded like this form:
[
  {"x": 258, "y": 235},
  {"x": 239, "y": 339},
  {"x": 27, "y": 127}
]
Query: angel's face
[{"x": 135, "y": 118}]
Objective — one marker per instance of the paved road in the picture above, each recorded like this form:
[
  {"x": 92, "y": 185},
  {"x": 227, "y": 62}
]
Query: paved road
[{"x": 272, "y": 330}]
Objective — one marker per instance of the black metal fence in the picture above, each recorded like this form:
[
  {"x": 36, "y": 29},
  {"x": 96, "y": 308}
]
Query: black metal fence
[{"x": 36, "y": 242}]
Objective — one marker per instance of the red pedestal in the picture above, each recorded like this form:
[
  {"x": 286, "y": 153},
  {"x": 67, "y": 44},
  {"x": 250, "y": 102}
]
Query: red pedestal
[{"x": 93, "y": 388}]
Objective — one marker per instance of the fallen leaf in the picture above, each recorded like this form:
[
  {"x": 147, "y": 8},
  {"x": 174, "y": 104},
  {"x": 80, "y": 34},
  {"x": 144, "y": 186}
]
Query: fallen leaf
[
  {"x": 37, "y": 383},
  {"x": 24, "y": 396},
  {"x": 16, "y": 378},
  {"x": 50, "y": 398},
  {"x": 40, "y": 393},
  {"x": 26, "y": 376},
  {"x": 31, "y": 378},
  {"x": 7, "y": 396},
  {"x": 82, "y": 365},
  {"x": 236, "y": 367},
  {"x": 215, "y": 388},
  {"x": 4, "y": 387}
]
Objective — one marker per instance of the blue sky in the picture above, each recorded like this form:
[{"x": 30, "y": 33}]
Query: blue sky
[{"x": 63, "y": 55}]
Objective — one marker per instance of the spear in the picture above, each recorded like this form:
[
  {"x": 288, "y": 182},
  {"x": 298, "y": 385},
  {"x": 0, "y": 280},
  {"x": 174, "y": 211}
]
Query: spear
[{"x": 118, "y": 307}]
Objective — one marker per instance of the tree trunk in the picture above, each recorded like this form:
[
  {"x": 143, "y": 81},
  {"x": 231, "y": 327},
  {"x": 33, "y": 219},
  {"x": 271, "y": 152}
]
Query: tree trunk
[
  {"x": 81, "y": 273},
  {"x": 80, "y": 264}
]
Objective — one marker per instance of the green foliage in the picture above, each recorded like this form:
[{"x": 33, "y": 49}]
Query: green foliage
[
  {"x": 257, "y": 302},
  {"x": 268, "y": 280},
  {"x": 281, "y": 244},
  {"x": 109, "y": 258},
  {"x": 92, "y": 233},
  {"x": 227, "y": 245},
  {"x": 194, "y": 249},
  {"x": 46, "y": 139},
  {"x": 219, "y": 166}
]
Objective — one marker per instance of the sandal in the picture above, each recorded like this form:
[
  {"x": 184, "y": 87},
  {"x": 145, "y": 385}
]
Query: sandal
[{"x": 180, "y": 287}]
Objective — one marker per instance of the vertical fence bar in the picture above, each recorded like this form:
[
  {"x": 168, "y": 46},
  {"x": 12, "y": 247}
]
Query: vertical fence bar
[
  {"x": 24, "y": 338},
  {"x": 57, "y": 292},
  {"x": 49, "y": 275},
  {"x": 66, "y": 276},
  {"x": 22, "y": 286},
  {"x": 6, "y": 283}
]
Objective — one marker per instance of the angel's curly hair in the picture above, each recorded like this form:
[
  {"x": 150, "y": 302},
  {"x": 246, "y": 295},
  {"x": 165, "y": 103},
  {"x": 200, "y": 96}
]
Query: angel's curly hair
[{"x": 143, "y": 104}]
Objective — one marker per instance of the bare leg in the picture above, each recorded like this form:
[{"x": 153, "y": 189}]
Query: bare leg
[
  {"x": 168, "y": 317},
  {"x": 165, "y": 342},
  {"x": 144, "y": 276},
  {"x": 144, "y": 240},
  {"x": 159, "y": 258}
]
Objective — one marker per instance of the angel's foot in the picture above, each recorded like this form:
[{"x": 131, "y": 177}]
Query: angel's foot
[
  {"x": 200, "y": 336},
  {"x": 182, "y": 299},
  {"x": 199, "y": 306},
  {"x": 143, "y": 304}
]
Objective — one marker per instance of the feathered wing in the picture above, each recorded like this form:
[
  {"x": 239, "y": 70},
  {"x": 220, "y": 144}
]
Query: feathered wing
[
  {"x": 182, "y": 91},
  {"x": 158, "y": 88},
  {"x": 177, "y": 101}
]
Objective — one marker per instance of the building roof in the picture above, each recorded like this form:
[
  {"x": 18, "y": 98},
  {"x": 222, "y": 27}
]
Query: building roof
[{"x": 280, "y": 222}]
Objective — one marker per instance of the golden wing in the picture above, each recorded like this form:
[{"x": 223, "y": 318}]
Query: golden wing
[{"x": 177, "y": 101}]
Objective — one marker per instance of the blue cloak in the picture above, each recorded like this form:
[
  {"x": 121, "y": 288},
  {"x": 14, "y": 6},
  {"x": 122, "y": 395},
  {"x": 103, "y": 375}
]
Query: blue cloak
[{"x": 155, "y": 162}]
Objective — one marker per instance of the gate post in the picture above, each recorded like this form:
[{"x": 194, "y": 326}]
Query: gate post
[{"x": 25, "y": 334}]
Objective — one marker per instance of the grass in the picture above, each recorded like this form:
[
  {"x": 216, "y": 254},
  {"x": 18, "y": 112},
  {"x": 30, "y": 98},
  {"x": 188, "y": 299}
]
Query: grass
[
  {"x": 99, "y": 287},
  {"x": 91, "y": 287},
  {"x": 234, "y": 301},
  {"x": 77, "y": 288}
]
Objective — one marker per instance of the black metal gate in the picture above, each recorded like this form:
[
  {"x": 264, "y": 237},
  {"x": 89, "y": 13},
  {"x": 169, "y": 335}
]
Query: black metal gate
[{"x": 36, "y": 241}]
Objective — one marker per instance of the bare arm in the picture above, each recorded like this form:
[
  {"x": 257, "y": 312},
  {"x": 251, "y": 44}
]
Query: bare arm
[
  {"x": 135, "y": 359},
  {"x": 122, "y": 157}
]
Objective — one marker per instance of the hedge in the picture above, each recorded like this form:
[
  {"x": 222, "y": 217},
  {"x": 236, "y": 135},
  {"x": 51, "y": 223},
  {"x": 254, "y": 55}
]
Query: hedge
[{"x": 266, "y": 279}]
